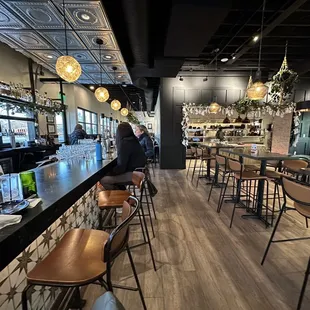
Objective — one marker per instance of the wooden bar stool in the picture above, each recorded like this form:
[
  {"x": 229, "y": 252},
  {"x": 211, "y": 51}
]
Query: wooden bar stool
[
  {"x": 293, "y": 166},
  {"x": 85, "y": 256},
  {"x": 300, "y": 195},
  {"x": 113, "y": 200},
  {"x": 205, "y": 158}
]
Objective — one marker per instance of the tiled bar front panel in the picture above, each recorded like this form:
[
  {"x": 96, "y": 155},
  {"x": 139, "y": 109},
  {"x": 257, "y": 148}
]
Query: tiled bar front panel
[{"x": 83, "y": 214}]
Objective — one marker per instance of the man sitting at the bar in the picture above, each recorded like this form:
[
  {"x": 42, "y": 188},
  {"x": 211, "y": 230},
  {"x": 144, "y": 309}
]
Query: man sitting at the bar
[{"x": 78, "y": 134}]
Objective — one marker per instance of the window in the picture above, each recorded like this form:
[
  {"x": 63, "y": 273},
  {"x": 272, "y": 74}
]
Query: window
[
  {"x": 60, "y": 127},
  {"x": 105, "y": 126},
  {"x": 88, "y": 120},
  {"x": 22, "y": 124}
]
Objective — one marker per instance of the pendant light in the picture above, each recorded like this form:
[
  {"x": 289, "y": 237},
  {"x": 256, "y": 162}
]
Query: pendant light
[
  {"x": 259, "y": 90},
  {"x": 101, "y": 93},
  {"x": 67, "y": 67},
  {"x": 115, "y": 104},
  {"x": 214, "y": 108},
  {"x": 124, "y": 111}
]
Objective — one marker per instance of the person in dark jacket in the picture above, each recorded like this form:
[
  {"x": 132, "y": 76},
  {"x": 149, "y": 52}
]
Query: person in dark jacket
[
  {"x": 145, "y": 141},
  {"x": 78, "y": 134},
  {"x": 130, "y": 156}
]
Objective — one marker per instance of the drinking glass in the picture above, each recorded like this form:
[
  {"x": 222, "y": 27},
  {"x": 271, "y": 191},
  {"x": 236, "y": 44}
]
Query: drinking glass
[{"x": 11, "y": 188}]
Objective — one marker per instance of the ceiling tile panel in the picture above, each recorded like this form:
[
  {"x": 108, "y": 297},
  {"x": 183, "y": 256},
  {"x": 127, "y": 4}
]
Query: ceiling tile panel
[
  {"x": 8, "y": 20},
  {"x": 27, "y": 40},
  {"x": 36, "y": 29},
  {"x": 89, "y": 37},
  {"x": 38, "y": 14},
  {"x": 87, "y": 15},
  {"x": 58, "y": 39}
]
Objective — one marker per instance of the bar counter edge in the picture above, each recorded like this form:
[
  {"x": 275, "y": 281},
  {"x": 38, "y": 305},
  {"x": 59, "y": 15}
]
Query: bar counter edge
[{"x": 59, "y": 186}]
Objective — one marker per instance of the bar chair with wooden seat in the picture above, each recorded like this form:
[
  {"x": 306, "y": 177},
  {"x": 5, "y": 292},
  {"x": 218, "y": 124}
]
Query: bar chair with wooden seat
[
  {"x": 207, "y": 158},
  {"x": 300, "y": 195},
  {"x": 85, "y": 256},
  {"x": 191, "y": 156},
  {"x": 240, "y": 176},
  {"x": 293, "y": 166},
  {"x": 113, "y": 199}
]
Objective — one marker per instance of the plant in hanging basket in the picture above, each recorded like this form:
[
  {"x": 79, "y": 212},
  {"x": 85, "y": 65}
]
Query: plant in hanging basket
[
  {"x": 132, "y": 118},
  {"x": 245, "y": 105}
]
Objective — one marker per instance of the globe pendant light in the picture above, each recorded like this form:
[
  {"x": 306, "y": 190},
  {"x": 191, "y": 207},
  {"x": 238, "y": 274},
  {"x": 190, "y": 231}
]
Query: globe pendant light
[
  {"x": 259, "y": 90},
  {"x": 115, "y": 105},
  {"x": 214, "y": 108},
  {"x": 67, "y": 67},
  {"x": 124, "y": 111},
  {"x": 101, "y": 93}
]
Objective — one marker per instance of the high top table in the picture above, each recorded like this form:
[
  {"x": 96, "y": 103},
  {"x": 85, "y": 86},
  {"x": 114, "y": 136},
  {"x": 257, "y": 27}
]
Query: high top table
[{"x": 263, "y": 157}]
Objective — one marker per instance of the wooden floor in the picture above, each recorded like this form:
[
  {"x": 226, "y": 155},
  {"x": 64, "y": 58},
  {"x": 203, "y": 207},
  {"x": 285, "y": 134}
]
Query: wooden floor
[{"x": 202, "y": 264}]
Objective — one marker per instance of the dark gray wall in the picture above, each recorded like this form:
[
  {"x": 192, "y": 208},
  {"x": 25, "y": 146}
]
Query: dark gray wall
[{"x": 174, "y": 93}]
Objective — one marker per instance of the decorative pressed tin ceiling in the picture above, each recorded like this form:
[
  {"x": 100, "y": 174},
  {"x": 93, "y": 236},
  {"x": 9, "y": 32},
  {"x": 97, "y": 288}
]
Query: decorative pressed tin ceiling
[{"x": 36, "y": 29}]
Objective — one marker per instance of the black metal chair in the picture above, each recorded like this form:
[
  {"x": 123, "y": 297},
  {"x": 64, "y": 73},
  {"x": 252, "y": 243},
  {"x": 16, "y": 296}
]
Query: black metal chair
[{"x": 300, "y": 195}]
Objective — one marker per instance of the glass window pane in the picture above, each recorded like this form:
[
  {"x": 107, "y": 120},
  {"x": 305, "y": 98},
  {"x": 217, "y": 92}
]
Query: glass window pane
[
  {"x": 94, "y": 118},
  {"x": 60, "y": 127},
  {"x": 3, "y": 110},
  {"x": 95, "y": 129},
  {"x": 88, "y": 129},
  {"x": 21, "y": 130},
  {"x": 4, "y": 123},
  {"x": 87, "y": 117},
  {"x": 26, "y": 115},
  {"x": 80, "y": 115}
]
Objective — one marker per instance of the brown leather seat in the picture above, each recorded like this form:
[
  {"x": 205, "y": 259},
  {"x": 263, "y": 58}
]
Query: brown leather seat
[
  {"x": 137, "y": 178},
  {"x": 251, "y": 167},
  {"x": 273, "y": 174},
  {"x": 302, "y": 209},
  {"x": 294, "y": 165},
  {"x": 112, "y": 199},
  {"x": 76, "y": 260},
  {"x": 249, "y": 175}
]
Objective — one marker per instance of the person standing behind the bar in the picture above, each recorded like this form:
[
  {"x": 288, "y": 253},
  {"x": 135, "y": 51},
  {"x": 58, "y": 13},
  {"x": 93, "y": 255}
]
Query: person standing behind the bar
[
  {"x": 130, "y": 156},
  {"x": 78, "y": 134},
  {"x": 145, "y": 140}
]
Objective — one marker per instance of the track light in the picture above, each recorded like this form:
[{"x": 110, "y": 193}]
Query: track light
[
  {"x": 255, "y": 38},
  {"x": 205, "y": 79},
  {"x": 181, "y": 78}
]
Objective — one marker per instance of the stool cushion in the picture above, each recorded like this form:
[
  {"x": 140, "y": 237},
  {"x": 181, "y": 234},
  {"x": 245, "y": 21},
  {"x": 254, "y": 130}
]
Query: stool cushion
[
  {"x": 273, "y": 174},
  {"x": 249, "y": 175},
  {"x": 112, "y": 199},
  {"x": 76, "y": 260},
  {"x": 302, "y": 209},
  {"x": 107, "y": 301},
  {"x": 251, "y": 168}
]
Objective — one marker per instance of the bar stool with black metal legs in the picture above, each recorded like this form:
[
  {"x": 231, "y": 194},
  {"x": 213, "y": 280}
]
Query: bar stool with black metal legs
[
  {"x": 83, "y": 257},
  {"x": 300, "y": 195},
  {"x": 304, "y": 285},
  {"x": 222, "y": 172},
  {"x": 240, "y": 176},
  {"x": 108, "y": 200},
  {"x": 205, "y": 157}
]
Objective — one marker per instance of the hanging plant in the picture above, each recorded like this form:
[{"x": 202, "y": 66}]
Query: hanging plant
[
  {"x": 245, "y": 105},
  {"x": 132, "y": 118},
  {"x": 281, "y": 91}
]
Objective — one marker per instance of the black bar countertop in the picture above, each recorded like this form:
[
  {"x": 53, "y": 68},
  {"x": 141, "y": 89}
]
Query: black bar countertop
[{"x": 60, "y": 185}]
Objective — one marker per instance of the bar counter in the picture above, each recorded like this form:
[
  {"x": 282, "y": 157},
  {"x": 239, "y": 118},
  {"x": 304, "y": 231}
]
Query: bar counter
[{"x": 60, "y": 185}]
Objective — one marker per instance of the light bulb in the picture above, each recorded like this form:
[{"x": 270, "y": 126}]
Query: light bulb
[
  {"x": 115, "y": 105},
  {"x": 102, "y": 94}
]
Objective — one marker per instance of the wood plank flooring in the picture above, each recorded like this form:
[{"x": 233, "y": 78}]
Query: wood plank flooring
[{"x": 202, "y": 264}]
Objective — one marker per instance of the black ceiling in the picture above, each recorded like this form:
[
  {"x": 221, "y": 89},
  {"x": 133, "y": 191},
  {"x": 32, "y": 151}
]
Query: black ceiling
[{"x": 164, "y": 39}]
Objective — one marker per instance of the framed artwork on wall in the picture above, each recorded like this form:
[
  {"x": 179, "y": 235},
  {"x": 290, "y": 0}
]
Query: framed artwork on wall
[
  {"x": 50, "y": 119},
  {"x": 51, "y": 129}
]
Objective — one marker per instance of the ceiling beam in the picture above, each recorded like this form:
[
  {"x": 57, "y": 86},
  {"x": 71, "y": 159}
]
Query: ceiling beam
[{"x": 285, "y": 14}]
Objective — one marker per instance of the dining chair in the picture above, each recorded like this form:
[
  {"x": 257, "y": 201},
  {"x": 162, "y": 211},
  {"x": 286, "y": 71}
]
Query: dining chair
[
  {"x": 300, "y": 195},
  {"x": 86, "y": 256},
  {"x": 292, "y": 166},
  {"x": 191, "y": 155},
  {"x": 206, "y": 158}
]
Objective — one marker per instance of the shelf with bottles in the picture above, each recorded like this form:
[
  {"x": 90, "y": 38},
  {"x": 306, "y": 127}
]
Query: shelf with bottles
[{"x": 20, "y": 99}]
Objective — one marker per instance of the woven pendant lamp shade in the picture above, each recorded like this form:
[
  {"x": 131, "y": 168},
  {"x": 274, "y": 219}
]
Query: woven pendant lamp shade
[
  {"x": 68, "y": 68},
  {"x": 214, "y": 108},
  {"x": 115, "y": 105},
  {"x": 102, "y": 94},
  {"x": 257, "y": 91},
  {"x": 124, "y": 111}
]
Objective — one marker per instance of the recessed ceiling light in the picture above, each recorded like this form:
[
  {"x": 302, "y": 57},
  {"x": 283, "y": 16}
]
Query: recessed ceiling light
[
  {"x": 234, "y": 57},
  {"x": 49, "y": 56},
  {"x": 224, "y": 59},
  {"x": 92, "y": 87},
  {"x": 119, "y": 76},
  {"x": 107, "y": 56},
  {"x": 85, "y": 16},
  {"x": 255, "y": 38}
]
